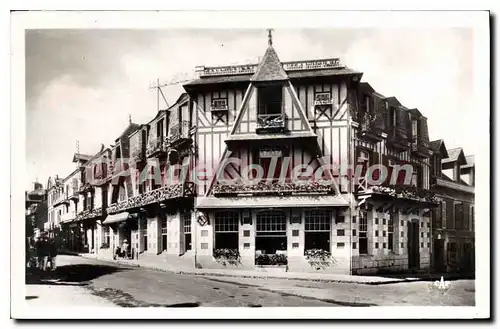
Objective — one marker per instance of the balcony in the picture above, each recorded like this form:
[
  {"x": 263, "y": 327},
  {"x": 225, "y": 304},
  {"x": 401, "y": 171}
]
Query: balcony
[
  {"x": 179, "y": 134},
  {"x": 85, "y": 188},
  {"x": 90, "y": 214},
  {"x": 270, "y": 123},
  {"x": 372, "y": 127},
  {"x": 398, "y": 139},
  {"x": 74, "y": 194},
  {"x": 406, "y": 198},
  {"x": 421, "y": 147},
  {"x": 162, "y": 194},
  {"x": 155, "y": 147},
  {"x": 138, "y": 155},
  {"x": 272, "y": 188}
]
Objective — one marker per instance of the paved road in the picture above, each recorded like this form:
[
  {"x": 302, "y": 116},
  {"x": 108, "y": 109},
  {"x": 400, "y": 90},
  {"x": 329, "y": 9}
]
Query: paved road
[{"x": 140, "y": 287}]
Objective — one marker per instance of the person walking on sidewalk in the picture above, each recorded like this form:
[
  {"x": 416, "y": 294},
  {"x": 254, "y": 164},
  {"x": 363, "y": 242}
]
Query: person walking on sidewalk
[{"x": 52, "y": 248}]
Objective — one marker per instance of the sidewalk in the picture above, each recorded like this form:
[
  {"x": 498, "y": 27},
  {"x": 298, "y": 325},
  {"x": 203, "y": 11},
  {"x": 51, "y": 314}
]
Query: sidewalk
[
  {"x": 57, "y": 294},
  {"x": 159, "y": 265}
]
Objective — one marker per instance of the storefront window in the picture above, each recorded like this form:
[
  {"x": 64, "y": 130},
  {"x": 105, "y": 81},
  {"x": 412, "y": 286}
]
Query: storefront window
[
  {"x": 317, "y": 230},
  {"x": 270, "y": 232},
  {"x": 226, "y": 230}
]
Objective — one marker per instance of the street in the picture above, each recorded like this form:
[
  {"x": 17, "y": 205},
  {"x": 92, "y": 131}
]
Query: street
[{"x": 82, "y": 281}]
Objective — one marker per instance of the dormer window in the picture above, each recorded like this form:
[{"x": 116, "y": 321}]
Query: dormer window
[
  {"x": 219, "y": 104},
  {"x": 414, "y": 127},
  {"x": 270, "y": 98},
  {"x": 323, "y": 99},
  {"x": 270, "y": 117},
  {"x": 367, "y": 104},
  {"x": 392, "y": 116}
]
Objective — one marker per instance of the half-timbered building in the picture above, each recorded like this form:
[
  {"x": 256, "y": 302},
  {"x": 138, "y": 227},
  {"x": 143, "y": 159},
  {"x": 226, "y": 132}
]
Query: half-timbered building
[{"x": 268, "y": 131}]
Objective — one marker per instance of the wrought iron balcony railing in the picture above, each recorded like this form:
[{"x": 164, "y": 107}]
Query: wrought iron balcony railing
[
  {"x": 89, "y": 214},
  {"x": 138, "y": 155},
  {"x": 162, "y": 194},
  {"x": 270, "y": 122},
  {"x": 179, "y": 132},
  {"x": 84, "y": 188},
  {"x": 421, "y": 146},
  {"x": 372, "y": 127},
  {"x": 154, "y": 147}
]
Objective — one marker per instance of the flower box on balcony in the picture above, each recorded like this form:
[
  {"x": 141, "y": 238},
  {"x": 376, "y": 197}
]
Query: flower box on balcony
[
  {"x": 270, "y": 123},
  {"x": 272, "y": 188},
  {"x": 158, "y": 195}
]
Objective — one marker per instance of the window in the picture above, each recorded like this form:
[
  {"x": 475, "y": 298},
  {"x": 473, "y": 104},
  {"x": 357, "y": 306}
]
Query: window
[
  {"x": 159, "y": 130},
  {"x": 340, "y": 232},
  {"x": 270, "y": 232},
  {"x": 106, "y": 235},
  {"x": 392, "y": 116},
  {"x": 164, "y": 233},
  {"x": 367, "y": 104},
  {"x": 414, "y": 128},
  {"x": 219, "y": 104},
  {"x": 443, "y": 214},
  {"x": 186, "y": 219},
  {"x": 390, "y": 233},
  {"x": 376, "y": 221},
  {"x": 317, "y": 230},
  {"x": 270, "y": 100},
  {"x": 376, "y": 233},
  {"x": 452, "y": 253},
  {"x": 353, "y": 232},
  {"x": 363, "y": 238},
  {"x": 459, "y": 215},
  {"x": 354, "y": 245},
  {"x": 226, "y": 230}
]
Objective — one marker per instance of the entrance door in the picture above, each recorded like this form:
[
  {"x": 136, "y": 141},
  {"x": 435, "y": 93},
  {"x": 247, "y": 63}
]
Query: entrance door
[
  {"x": 413, "y": 245},
  {"x": 438, "y": 253}
]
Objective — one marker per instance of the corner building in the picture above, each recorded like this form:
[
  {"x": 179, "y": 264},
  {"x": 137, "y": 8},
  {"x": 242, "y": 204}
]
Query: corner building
[{"x": 313, "y": 113}]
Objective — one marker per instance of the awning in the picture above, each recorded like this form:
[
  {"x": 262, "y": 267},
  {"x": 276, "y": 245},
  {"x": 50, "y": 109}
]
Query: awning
[
  {"x": 272, "y": 202},
  {"x": 115, "y": 218}
]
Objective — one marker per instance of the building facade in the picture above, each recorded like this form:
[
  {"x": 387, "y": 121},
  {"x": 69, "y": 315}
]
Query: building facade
[
  {"x": 453, "y": 220},
  {"x": 294, "y": 166}
]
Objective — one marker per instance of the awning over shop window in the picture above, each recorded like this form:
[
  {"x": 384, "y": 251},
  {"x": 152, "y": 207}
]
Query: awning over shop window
[
  {"x": 272, "y": 202},
  {"x": 115, "y": 218}
]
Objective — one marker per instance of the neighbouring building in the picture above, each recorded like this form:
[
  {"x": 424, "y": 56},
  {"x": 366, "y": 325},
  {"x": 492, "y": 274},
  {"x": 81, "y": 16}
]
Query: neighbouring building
[
  {"x": 453, "y": 182},
  {"x": 36, "y": 210}
]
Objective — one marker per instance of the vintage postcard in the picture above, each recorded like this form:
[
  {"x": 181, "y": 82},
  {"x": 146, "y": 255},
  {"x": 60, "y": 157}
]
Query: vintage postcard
[{"x": 281, "y": 164}]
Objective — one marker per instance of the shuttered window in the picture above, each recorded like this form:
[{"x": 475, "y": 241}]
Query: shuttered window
[{"x": 443, "y": 214}]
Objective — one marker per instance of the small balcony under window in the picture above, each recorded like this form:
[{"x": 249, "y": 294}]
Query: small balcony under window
[
  {"x": 270, "y": 117},
  {"x": 179, "y": 134}
]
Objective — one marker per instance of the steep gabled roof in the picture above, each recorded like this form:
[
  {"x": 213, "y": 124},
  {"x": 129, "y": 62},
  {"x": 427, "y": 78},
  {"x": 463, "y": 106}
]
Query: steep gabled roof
[
  {"x": 470, "y": 162},
  {"x": 81, "y": 157},
  {"x": 438, "y": 146},
  {"x": 455, "y": 155},
  {"x": 393, "y": 101},
  {"x": 130, "y": 129},
  {"x": 270, "y": 68}
]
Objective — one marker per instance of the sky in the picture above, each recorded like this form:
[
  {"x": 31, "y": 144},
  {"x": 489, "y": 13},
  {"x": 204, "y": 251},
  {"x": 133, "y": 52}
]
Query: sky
[{"x": 82, "y": 85}]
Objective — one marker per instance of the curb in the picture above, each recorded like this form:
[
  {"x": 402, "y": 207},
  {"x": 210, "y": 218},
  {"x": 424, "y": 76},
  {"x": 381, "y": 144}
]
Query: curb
[{"x": 247, "y": 276}]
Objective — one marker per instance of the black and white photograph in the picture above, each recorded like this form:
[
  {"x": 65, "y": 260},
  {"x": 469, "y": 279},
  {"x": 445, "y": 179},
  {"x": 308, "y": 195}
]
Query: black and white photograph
[{"x": 182, "y": 163}]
